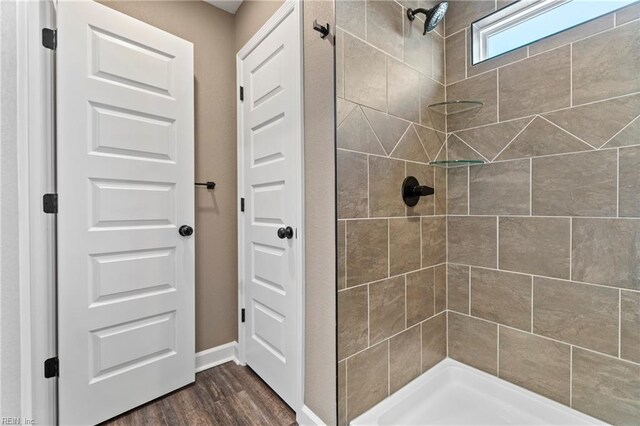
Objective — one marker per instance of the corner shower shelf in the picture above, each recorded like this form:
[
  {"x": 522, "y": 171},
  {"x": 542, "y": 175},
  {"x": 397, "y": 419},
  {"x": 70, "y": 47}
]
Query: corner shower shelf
[
  {"x": 450, "y": 164},
  {"x": 455, "y": 107}
]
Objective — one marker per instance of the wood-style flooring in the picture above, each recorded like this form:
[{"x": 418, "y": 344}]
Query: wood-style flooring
[{"x": 228, "y": 394}]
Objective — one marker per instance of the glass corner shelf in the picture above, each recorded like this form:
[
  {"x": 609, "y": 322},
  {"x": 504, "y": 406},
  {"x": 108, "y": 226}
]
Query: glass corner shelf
[
  {"x": 450, "y": 164},
  {"x": 454, "y": 107}
]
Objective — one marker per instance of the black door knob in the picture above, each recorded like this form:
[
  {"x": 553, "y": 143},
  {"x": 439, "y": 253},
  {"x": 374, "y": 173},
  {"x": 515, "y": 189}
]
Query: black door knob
[
  {"x": 285, "y": 233},
  {"x": 185, "y": 231}
]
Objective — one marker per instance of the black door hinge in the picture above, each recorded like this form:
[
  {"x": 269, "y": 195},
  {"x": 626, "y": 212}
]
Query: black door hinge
[
  {"x": 241, "y": 204},
  {"x": 50, "y": 38},
  {"x": 241, "y": 93},
  {"x": 50, "y": 203},
  {"x": 242, "y": 315},
  {"x": 51, "y": 368}
]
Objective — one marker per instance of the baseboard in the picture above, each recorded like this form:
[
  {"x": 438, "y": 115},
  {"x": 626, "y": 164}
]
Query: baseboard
[
  {"x": 306, "y": 417},
  {"x": 216, "y": 356}
]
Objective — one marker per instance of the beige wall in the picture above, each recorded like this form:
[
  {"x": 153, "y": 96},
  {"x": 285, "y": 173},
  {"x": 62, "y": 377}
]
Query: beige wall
[
  {"x": 392, "y": 281},
  {"x": 320, "y": 265},
  {"x": 212, "y": 33},
  {"x": 250, "y": 16},
  {"x": 545, "y": 239}
]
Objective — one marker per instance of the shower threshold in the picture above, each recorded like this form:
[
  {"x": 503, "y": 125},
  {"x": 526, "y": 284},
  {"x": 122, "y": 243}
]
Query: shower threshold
[{"x": 452, "y": 393}]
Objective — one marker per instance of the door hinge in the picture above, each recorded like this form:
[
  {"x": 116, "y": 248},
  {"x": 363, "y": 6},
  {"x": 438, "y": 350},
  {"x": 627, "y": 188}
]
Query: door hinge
[
  {"x": 241, "y": 204},
  {"x": 50, "y": 203},
  {"x": 241, "y": 93},
  {"x": 50, "y": 38},
  {"x": 51, "y": 368},
  {"x": 242, "y": 315}
]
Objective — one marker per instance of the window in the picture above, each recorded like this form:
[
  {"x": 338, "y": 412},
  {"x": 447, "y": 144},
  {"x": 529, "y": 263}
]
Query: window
[{"x": 527, "y": 21}]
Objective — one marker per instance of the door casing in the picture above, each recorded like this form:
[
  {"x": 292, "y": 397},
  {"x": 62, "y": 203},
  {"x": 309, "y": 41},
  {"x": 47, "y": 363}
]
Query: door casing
[{"x": 295, "y": 7}]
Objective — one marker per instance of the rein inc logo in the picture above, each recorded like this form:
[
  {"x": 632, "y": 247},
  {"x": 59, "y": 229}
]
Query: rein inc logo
[{"x": 16, "y": 421}]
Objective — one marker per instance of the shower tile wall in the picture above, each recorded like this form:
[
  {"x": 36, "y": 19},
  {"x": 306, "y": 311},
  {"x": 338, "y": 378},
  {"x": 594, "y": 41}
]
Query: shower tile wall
[
  {"x": 544, "y": 242},
  {"x": 392, "y": 271}
]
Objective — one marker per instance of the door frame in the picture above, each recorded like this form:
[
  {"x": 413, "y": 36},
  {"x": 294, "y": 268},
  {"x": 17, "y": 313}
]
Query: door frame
[{"x": 289, "y": 7}]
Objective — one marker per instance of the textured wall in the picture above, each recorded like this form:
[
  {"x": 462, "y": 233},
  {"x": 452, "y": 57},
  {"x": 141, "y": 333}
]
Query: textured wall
[
  {"x": 250, "y": 17},
  {"x": 320, "y": 245},
  {"x": 391, "y": 259},
  {"x": 544, "y": 242}
]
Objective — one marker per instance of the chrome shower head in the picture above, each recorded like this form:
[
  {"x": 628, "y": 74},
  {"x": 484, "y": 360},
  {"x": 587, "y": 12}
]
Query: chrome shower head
[{"x": 433, "y": 16}]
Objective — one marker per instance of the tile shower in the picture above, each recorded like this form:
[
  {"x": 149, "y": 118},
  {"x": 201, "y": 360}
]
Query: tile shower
[{"x": 528, "y": 267}]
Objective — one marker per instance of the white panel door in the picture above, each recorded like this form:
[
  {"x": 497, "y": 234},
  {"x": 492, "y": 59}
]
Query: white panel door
[
  {"x": 272, "y": 147},
  {"x": 125, "y": 184}
]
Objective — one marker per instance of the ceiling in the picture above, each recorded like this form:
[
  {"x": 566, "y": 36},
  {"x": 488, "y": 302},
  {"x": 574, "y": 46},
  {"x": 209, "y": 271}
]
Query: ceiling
[{"x": 227, "y": 5}]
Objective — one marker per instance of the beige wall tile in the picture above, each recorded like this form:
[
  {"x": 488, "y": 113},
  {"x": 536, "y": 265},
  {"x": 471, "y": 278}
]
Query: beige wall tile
[
  {"x": 440, "y": 273},
  {"x": 418, "y": 48},
  {"x": 440, "y": 188},
  {"x": 457, "y": 149},
  {"x": 434, "y": 341},
  {"x": 404, "y": 245},
  {"x": 535, "y": 245},
  {"x": 386, "y": 308},
  {"x": 365, "y": 74},
  {"x": 353, "y": 200},
  {"x": 580, "y": 314},
  {"x": 594, "y": 58},
  {"x": 404, "y": 358},
  {"x": 350, "y": 15},
  {"x": 431, "y": 92},
  {"x": 420, "y": 296},
  {"x": 457, "y": 190},
  {"x": 438, "y": 57},
  {"x": 458, "y": 288},
  {"x": 492, "y": 139},
  {"x": 434, "y": 240},
  {"x": 432, "y": 140},
  {"x": 456, "y": 57},
  {"x": 367, "y": 379},
  {"x": 596, "y": 123},
  {"x": 425, "y": 176},
  {"x": 342, "y": 254},
  {"x": 581, "y": 184},
  {"x": 339, "y": 63},
  {"x": 342, "y": 393},
  {"x": 385, "y": 182},
  {"x": 629, "y": 181},
  {"x": 474, "y": 342},
  {"x": 525, "y": 86},
  {"x": 501, "y": 297},
  {"x": 403, "y": 86},
  {"x": 410, "y": 148},
  {"x": 462, "y": 12},
  {"x": 343, "y": 109},
  {"x": 627, "y": 136},
  {"x": 499, "y": 188},
  {"x": 384, "y": 26},
  {"x": 473, "y": 241},
  {"x": 606, "y": 388},
  {"x": 481, "y": 88},
  {"x": 630, "y": 326},
  {"x": 367, "y": 251},
  {"x": 352, "y": 321},
  {"x": 356, "y": 134},
  {"x": 538, "y": 364},
  {"x": 606, "y": 251},
  {"x": 627, "y": 14},
  {"x": 388, "y": 129},
  {"x": 541, "y": 137},
  {"x": 572, "y": 34}
]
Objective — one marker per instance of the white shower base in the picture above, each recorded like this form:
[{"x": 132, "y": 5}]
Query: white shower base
[{"x": 452, "y": 393}]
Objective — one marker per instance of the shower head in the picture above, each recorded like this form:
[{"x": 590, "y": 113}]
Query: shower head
[{"x": 433, "y": 16}]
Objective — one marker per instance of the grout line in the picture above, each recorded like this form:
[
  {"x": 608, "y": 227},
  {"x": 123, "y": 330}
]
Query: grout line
[
  {"x": 620, "y": 323},
  {"x": 514, "y": 138},
  {"x": 405, "y": 273},
  {"x": 571, "y": 376},
  {"x": 568, "y": 132},
  {"x": 400, "y": 140},
  {"x": 620, "y": 131},
  {"x": 472, "y": 148}
]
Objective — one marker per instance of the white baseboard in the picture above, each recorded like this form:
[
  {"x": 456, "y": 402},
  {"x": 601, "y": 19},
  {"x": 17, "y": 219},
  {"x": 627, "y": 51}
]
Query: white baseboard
[
  {"x": 306, "y": 417},
  {"x": 216, "y": 356}
]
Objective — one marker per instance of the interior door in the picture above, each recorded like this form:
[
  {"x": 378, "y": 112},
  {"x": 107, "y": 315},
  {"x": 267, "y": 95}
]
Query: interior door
[
  {"x": 271, "y": 146},
  {"x": 125, "y": 184}
]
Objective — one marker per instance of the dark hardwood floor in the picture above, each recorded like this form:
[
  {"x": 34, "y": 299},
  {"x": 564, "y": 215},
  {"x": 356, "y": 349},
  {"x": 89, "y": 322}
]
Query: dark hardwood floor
[{"x": 228, "y": 394}]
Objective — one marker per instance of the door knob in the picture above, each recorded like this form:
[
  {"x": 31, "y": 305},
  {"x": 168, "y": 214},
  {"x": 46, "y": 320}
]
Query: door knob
[
  {"x": 285, "y": 233},
  {"x": 185, "y": 231}
]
